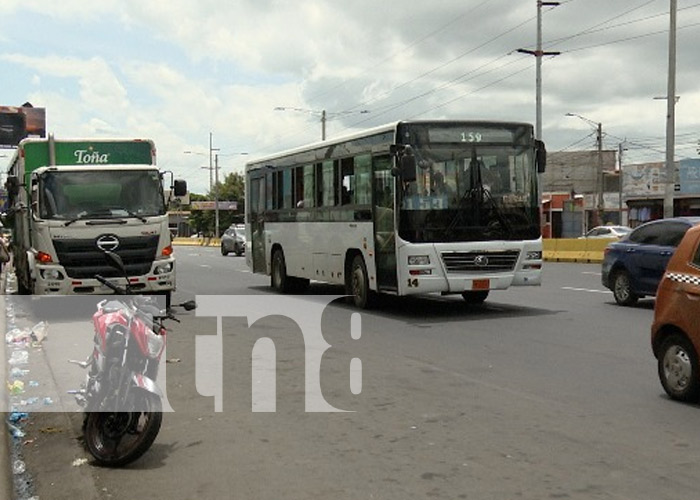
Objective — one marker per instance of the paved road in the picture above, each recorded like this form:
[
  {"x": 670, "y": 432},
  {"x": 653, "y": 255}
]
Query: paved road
[{"x": 546, "y": 392}]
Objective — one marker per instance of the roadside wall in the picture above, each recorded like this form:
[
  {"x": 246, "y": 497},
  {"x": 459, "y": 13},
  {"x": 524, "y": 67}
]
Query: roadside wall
[{"x": 574, "y": 249}]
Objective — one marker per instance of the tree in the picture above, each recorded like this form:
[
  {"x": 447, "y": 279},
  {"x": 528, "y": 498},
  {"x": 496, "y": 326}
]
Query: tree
[{"x": 232, "y": 189}]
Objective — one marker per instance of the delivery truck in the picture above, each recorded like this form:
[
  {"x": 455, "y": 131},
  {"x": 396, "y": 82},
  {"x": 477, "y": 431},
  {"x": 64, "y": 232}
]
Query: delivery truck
[{"x": 69, "y": 201}]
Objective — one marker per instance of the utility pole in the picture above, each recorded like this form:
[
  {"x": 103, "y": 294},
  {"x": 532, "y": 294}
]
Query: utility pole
[
  {"x": 216, "y": 195},
  {"x": 671, "y": 115},
  {"x": 538, "y": 53},
  {"x": 601, "y": 180},
  {"x": 620, "y": 180},
  {"x": 211, "y": 148},
  {"x": 600, "y": 186}
]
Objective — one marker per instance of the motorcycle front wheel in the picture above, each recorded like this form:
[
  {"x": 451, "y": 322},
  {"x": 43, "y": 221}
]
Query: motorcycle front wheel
[{"x": 115, "y": 439}]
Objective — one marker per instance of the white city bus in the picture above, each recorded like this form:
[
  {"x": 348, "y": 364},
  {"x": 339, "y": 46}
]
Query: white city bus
[{"x": 413, "y": 207}]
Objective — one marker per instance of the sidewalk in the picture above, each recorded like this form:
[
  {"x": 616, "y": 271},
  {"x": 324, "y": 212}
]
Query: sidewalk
[{"x": 45, "y": 439}]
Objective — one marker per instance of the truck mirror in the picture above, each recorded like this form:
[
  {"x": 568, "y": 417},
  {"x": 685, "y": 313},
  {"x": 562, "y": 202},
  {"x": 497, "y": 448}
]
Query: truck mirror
[
  {"x": 180, "y": 187},
  {"x": 12, "y": 185},
  {"x": 540, "y": 156}
]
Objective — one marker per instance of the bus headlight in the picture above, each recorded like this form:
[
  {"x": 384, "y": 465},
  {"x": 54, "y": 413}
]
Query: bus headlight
[
  {"x": 163, "y": 268},
  {"x": 418, "y": 260},
  {"x": 533, "y": 256}
]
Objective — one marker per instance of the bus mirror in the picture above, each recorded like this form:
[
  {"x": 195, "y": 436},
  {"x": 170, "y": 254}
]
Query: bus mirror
[
  {"x": 408, "y": 165},
  {"x": 180, "y": 187},
  {"x": 540, "y": 156}
]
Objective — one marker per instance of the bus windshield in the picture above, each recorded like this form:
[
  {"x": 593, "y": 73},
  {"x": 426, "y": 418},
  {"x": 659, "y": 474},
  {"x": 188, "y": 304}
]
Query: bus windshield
[
  {"x": 470, "y": 192},
  {"x": 73, "y": 195}
]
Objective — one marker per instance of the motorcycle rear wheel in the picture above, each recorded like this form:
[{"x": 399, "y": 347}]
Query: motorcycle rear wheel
[{"x": 115, "y": 439}]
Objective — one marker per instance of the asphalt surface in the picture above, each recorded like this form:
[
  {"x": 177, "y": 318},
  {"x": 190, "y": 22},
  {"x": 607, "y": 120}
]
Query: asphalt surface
[{"x": 545, "y": 392}]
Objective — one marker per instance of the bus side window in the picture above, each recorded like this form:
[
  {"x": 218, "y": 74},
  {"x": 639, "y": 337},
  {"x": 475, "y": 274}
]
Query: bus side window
[
  {"x": 347, "y": 180},
  {"x": 287, "y": 188},
  {"x": 299, "y": 187},
  {"x": 363, "y": 180},
  {"x": 269, "y": 190},
  {"x": 329, "y": 183},
  {"x": 309, "y": 186},
  {"x": 319, "y": 184}
]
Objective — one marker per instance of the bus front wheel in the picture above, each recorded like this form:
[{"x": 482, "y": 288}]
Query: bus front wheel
[{"x": 475, "y": 297}]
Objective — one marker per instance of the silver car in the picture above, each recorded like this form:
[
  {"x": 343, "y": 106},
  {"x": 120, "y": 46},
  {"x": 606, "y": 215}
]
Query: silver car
[
  {"x": 233, "y": 240},
  {"x": 608, "y": 232}
]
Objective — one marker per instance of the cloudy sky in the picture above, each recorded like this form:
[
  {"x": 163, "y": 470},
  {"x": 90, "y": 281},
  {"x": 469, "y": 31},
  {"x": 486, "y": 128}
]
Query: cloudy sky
[{"x": 177, "y": 70}]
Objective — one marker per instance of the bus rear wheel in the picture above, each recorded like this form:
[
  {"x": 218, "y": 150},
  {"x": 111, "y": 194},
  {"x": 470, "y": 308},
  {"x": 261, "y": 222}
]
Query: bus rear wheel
[
  {"x": 278, "y": 278},
  {"x": 357, "y": 285}
]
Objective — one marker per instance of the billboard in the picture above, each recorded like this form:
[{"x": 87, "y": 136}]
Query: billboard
[
  {"x": 19, "y": 122},
  {"x": 690, "y": 176}
]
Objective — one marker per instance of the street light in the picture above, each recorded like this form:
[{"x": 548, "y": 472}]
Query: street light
[
  {"x": 322, "y": 113},
  {"x": 599, "y": 177}
]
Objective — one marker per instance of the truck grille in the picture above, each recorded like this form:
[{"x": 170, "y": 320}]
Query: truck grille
[
  {"x": 483, "y": 261},
  {"x": 82, "y": 259}
]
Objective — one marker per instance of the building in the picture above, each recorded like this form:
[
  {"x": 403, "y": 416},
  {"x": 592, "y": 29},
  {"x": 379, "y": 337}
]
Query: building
[{"x": 573, "y": 203}]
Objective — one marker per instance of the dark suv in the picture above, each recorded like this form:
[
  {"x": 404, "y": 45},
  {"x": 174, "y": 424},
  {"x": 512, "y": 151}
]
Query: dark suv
[{"x": 633, "y": 267}]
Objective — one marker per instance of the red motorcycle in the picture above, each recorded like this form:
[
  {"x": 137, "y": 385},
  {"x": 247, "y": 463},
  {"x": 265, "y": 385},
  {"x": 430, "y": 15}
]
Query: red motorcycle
[{"x": 122, "y": 402}]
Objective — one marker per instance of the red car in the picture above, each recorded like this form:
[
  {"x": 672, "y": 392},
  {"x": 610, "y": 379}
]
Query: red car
[{"x": 675, "y": 333}]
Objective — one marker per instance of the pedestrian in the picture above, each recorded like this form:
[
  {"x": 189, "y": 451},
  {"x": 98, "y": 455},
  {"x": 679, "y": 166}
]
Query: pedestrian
[{"x": 4, "y": 251}]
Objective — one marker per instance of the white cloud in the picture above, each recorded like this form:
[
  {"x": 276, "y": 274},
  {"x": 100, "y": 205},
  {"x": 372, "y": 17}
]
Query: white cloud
[{"x": 207, "y": 66}]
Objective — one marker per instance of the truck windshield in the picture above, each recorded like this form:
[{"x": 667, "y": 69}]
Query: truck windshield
[
  {"x": 470, "y": 193},
  {"x": 105, "y": 194}
]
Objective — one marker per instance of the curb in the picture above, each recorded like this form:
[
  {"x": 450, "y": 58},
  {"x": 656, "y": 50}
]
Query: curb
[
  {"x": 6, "y": 484},
  {"x": 197, "y": 242}
]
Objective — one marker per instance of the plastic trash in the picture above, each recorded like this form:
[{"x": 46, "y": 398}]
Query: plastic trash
[
  {"x": 18, "y": 467},
  {"x": 18, "y": 372},
  {"x": 48, "y": 401},
  {"x": 16, "y": 416},
  {"x": 19, "y": 358},
  {"x": 15, "y": 431},
  {"x": 33, "y": 383},
  {"x": 18, "y": 336},
  {"x": 39, "y": 332},
  {"x": 16, "y": 387},
  {"x": 79, "y": 461}
]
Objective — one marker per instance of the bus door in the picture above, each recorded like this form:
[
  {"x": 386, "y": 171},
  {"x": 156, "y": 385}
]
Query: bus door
[
  {"x": 384, "y": 224},
  {"x": 257, "y": 224}
]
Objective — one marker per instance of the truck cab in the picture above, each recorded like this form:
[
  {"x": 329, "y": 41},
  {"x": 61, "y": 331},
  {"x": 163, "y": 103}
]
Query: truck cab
[{"x": 67, "y": 213}]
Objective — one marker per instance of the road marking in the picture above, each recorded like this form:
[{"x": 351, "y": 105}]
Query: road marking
[
  {"x": 591, "y": 273},
  {"x": 205, "y": 265},
  {"x": 584, "y": 290}
]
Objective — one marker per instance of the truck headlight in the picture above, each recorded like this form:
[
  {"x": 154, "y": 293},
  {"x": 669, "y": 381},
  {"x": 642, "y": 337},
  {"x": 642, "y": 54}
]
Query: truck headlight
[
  {"x": 163, "y": 268},
  {"x": 51, "y": 274},
  {"x": 418, "y": 260}
]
